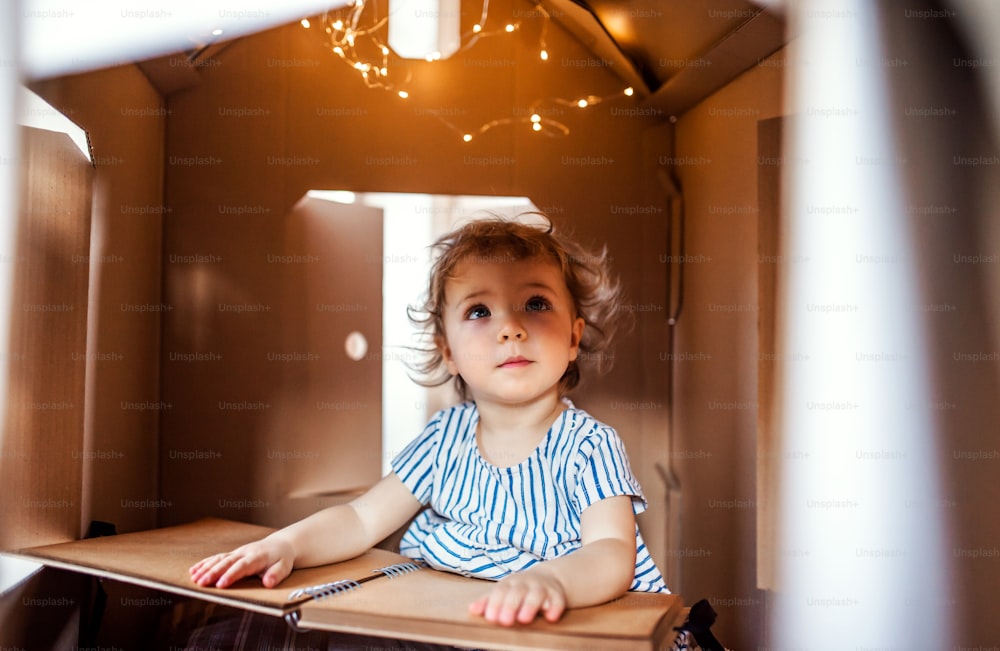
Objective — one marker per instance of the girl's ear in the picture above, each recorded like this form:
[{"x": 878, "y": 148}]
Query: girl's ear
[
  {"x": 445, "y": 350},
  {"x": 575, "y": 335}
]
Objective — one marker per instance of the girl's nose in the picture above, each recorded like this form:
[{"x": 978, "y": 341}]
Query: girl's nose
[{"x": 511, "y": 330}]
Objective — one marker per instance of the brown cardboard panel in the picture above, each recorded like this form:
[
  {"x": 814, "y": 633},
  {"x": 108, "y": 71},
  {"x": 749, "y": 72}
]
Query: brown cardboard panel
[
  {"x": 423, "y": 605},
  {"x": 715, "y": 455},
  {"x": 160, "y": 559},
  {"x": 738, "y": 51},
  {"x": 289, "y": 413},
  {"x": 768, "y": 298},
  {"x": 124, "y": 118},
  {"x": 40, "y": 446}
]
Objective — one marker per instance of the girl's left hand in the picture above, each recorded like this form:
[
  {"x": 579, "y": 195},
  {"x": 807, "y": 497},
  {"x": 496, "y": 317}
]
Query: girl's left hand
[{"x": 520, "y": 597}]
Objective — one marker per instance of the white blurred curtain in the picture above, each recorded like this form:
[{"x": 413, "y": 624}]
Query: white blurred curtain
[
  {"x": 61, "y": 37},
  {"x": 888, "y": 510}
]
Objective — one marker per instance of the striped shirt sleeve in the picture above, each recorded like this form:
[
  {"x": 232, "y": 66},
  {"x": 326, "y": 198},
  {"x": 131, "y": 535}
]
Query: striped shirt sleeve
[
  {"x": 415, "y": 464},
  {"x": 603, "y": 471}
]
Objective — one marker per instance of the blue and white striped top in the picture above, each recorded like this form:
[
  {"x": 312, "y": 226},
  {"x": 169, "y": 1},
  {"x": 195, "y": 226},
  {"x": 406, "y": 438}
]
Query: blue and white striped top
[{"x": 488, "y": 522}]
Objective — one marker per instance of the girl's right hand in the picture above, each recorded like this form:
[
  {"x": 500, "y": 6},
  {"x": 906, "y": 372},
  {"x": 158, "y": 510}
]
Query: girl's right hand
[{"x": 272, "y": 558}]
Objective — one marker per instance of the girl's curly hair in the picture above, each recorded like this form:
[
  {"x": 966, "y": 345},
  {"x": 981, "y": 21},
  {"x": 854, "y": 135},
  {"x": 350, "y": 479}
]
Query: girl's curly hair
[{"x": 597, "y": 295}]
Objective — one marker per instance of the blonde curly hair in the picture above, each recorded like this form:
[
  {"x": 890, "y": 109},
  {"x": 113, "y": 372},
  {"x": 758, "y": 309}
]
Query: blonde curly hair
[{"x": 596, "y": 294}]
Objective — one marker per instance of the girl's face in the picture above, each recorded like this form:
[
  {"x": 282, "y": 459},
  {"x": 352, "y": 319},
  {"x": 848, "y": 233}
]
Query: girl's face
[{"x": 510, "y": 329}]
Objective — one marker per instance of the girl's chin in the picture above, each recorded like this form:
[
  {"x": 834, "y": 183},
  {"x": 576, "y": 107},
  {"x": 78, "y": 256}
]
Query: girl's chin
[{"x": 517, "y": 398}]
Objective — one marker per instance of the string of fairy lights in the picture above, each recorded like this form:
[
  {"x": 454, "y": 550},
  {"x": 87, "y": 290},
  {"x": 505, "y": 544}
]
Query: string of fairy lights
[{"x": 355, "y": 34}]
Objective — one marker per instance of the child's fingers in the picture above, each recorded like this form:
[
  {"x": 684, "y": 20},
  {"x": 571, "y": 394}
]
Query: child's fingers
[
  {"x": 505, "y": 607},
  {"x": 214, "y": 577},
  {"x": 206, "y": 563},
  {"x": 478, "y": 607},
  {"x": 533, "y": 602},
  {"x": 207, "y": 570},
  {"x": 518, "y": 601},
  {"x": 243, "y": 566},
  {"x": 276, "y": 573},
  {"x": 554, "y": 606}
]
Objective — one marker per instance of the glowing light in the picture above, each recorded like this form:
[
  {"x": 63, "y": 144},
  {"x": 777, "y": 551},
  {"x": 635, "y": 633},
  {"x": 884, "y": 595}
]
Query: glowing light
[
  {"x": 421, "y": 29},
  {"x": 216, "y": 32},
  {"x": 305, "y": 23},
  {"x": 348, "y": 36},
  {"x": 340, "y": 196}
]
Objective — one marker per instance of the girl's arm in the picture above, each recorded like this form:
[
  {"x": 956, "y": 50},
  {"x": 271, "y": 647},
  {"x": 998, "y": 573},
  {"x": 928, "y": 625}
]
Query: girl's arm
[
  {"x": 602, "y": 569},
  {"x": 328, "y": 536}
]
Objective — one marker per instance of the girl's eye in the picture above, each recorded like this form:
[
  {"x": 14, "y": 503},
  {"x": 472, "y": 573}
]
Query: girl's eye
[
  {"x": 477, "y": 312},
  {"x": 537, "y": 304}
]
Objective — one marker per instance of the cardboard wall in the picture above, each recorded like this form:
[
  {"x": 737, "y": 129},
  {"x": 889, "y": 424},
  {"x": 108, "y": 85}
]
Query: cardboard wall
[
  {"x": 124, "y": 117},
  {"x": 42, "y": 449},
  {"x": 715, "y": 454},
  {"x": 41, "y": 442}
]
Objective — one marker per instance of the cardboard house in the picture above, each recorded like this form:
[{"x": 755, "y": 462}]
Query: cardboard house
[{"x": 185, "y": 317}]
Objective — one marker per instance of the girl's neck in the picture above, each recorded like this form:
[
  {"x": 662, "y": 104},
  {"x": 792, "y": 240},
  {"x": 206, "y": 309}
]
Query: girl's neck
[{"x": 509, "y": 433}]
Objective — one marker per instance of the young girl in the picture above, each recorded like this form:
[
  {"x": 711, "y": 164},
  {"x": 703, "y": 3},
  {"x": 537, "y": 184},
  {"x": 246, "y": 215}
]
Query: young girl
[{"x": 521, "y": 487}]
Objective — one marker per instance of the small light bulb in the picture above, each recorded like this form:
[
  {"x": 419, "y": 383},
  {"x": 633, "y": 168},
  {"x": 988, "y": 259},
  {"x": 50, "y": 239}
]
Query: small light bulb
[
  {"x": 509, "y": 28},
  {"x": 582, "y": 103},
  {"x": 339, "y": 50},
  {"x": 403, "y": 94},
  {"x": 338, "y": 25},
  {"x": 385, "y": 50},
  {"x": 476, "y": 29},
  {"x": 216, "y": 32},
  {"x": 629, "y": 91},
  {"x": 537, "y": 126},
  {"x": 536, "y": 117},
  {"x": 383, "y": 71},
  {"x": 544, "y": 54},
  {"x": 305, "y": 23},
  {"x": 467, "y": 137}
]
